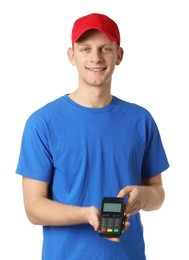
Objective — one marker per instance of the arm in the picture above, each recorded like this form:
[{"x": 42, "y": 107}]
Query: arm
[
  {"x": 43, "y": 211},
  {"x": 149, "y": 196}
]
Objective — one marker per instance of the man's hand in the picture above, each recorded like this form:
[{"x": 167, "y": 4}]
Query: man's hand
[
  {"x": 149, "y": 196},
  {"x": 93, "y": 216},
  {"x": 137, "y": 198},
  {"x": 93, "y": 219}
]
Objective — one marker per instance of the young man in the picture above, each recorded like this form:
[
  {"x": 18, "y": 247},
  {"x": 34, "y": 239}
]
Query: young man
[{"x": 88, "y": 145}]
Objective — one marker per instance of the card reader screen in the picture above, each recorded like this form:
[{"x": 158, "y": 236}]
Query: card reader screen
[{"x": 112, "y": 207}]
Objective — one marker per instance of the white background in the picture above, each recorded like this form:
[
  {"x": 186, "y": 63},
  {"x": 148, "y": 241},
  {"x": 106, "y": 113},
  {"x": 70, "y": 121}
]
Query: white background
[{"x": 34, "y": 69}]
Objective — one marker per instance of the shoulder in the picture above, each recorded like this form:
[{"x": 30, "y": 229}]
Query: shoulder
[
  {"x": 133, "y": 108},
  {"x": 45, "y": 115},
  {"x": 48, "y": 109},
  {"x": 137, "y": 115}
]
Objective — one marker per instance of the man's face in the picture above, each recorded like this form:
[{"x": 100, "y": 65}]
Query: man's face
[{"x": 95, "y": 57}]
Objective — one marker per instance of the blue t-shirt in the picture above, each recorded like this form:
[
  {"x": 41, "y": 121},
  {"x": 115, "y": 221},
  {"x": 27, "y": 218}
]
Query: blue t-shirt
[{"x": 86, "y": 154}]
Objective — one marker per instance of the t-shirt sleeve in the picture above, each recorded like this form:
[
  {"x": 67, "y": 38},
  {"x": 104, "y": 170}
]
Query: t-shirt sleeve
[
  {"x": 155, "y": 160},
  {"x": 35, "y": 160}
]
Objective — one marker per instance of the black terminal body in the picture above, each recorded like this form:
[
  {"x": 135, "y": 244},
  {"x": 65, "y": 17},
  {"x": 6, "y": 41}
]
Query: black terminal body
[{"x": 112, "y": 217}]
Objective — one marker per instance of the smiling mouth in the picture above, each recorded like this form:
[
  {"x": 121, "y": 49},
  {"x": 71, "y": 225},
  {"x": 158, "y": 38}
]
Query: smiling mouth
[{"x": 96, "y": 69}]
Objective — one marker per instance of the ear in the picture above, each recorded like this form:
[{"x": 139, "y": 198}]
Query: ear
[
  {"x": 120, "y": 53},
  {"x": 70, "y": 54}
]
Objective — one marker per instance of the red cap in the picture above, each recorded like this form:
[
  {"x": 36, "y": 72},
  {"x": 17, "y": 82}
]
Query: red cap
[{"x": 96, "y": 21}]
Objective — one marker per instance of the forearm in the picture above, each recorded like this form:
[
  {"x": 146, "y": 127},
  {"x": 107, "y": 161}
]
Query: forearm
[
  {"x": 154, "y": 197},
  {"x": 44, "y": 211}
]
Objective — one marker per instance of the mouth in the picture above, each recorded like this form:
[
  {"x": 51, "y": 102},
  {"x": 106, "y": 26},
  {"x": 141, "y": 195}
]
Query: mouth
[{"x": 96, "y": 69}]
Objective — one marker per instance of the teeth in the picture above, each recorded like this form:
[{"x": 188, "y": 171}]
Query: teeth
[{"x": 96, "y": 70}]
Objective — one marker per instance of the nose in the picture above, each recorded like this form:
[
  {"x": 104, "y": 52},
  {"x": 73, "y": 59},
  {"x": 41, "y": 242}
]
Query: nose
[{"x": 96, "y": 56}]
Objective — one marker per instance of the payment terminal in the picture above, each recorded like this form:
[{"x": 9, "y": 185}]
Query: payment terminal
[{"x": 112, "y": 217}]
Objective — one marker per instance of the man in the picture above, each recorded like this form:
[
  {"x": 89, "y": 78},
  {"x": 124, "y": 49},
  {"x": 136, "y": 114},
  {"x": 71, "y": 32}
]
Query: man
[{"x": 88, "y": 145}]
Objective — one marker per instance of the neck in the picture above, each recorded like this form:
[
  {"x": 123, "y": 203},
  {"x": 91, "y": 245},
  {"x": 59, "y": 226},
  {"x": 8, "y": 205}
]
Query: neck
[{"x": 93, "y": 98}]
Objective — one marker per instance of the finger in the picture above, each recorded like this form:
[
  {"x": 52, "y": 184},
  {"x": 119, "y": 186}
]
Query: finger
[
  {"x": 128, "y": 216},
  {"x": 124, "y": 192},
  {"x": 133, "y": 209},
  {"x": 126, "y": 226},
  {"x": 113, "y": 239},
  {"x": 96, "y": 224}
]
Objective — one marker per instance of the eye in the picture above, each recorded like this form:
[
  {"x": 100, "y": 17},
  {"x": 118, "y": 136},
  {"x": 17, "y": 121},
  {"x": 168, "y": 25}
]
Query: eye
[
  {"x": 85, "y": 49},
  {"x": 106, "y": 49}
]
